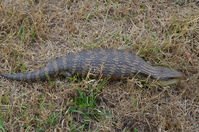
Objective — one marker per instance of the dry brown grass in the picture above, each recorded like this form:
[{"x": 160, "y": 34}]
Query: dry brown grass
[{"x": 162, "y": 32}]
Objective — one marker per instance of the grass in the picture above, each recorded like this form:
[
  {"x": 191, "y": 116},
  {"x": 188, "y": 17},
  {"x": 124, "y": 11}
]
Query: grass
[
  {"x": 163, "y": 33},
  {"x": 85, "y": 110}
]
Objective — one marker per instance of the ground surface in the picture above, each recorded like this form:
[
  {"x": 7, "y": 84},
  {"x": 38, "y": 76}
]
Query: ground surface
[{"x": 163, "y": 32}]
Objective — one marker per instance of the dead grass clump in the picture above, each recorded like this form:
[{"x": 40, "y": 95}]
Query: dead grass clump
[{"x": 26, "y": 24}]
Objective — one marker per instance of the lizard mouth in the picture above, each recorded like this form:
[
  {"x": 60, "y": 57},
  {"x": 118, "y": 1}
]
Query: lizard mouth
[{"x": 179, "y": 77}]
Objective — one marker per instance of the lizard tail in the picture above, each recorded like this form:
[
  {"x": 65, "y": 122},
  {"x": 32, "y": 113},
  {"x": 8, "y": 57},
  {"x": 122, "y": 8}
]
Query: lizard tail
[{"x": 29, "y": 76}]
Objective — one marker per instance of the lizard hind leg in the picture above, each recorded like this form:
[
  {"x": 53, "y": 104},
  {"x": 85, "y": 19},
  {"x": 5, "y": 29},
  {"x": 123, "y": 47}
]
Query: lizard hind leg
[{"x": 66, "y": 74}]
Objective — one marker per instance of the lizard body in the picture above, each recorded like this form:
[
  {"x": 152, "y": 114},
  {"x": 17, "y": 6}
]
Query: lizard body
[{"x": 98, "y": 62}]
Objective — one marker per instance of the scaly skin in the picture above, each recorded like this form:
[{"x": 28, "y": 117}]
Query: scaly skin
[{"x": 99, "y": 62}]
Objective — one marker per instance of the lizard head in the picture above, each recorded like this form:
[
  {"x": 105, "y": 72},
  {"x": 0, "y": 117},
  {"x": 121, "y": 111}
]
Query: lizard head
[{"x": 164, "y": 73}]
